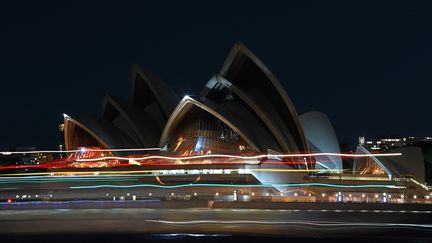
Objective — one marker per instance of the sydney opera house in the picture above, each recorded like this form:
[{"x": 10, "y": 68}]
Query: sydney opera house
[{"x": 242, "y": 128}]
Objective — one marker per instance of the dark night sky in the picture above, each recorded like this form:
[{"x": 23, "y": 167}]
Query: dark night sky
[{"x": 368, "y": 67}]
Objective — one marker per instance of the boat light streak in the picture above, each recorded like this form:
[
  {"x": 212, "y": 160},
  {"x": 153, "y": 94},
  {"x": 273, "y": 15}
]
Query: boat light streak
[
  {"x": 238, "y": 185},
  {"x": 158, "y": 172},
  {"x": 294, "y": 222},
  {"x": 79, "y": 150},
  {"x": 261, "y": 156}
]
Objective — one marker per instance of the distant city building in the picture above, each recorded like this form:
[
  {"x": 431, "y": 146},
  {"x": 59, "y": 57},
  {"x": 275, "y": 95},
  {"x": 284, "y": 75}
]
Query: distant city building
[
  {"x": 383, "y": 144},
  {"x": 61, "y": 143},
  {"x": 32, "y": 158},
  {"x": 29, "y": 156}
]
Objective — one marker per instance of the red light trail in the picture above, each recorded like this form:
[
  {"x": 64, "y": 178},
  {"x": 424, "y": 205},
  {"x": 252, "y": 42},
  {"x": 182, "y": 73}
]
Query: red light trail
[{"x": 74, "y": 160}]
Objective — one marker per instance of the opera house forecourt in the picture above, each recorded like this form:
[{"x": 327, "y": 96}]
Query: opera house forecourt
[{"x": 241, "y": 138}]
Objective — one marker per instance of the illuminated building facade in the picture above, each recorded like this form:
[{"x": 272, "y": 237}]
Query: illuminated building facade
[
  {"x": 388, "y": 144},
  {"x": 243, "y": 110}
]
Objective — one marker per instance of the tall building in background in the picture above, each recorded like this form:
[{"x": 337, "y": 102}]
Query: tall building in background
[{"x": 61, "y": 142}]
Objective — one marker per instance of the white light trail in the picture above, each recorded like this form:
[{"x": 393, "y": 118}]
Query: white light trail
[
  {"x": 78, "y": 150},
  {"x": 296, "y": 222},
  {"x": 242, "y": 157}
]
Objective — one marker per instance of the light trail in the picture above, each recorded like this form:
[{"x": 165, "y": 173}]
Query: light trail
[
  {"x": 237, "y": 185},
  {"x": 78, "y": 150},
  {"x": 69, "y": 163},
  {"x": 220, "y": 209},
  {"x": 161, "y": 171},
  {"x": 164, "y": 160},
  {"x": 253, "y": 157},
  {"x": 295, "y": 222},
  {"x": 64, "y": 181},
  {"x": 92, "y": 177}
]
